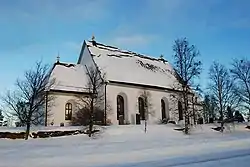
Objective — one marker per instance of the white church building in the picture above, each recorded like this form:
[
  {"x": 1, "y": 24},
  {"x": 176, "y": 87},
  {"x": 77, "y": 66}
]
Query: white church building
[{"x": 127, "y": 76}]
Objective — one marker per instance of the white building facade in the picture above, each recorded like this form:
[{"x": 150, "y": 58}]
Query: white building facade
[{"x": 128, "y": 76}]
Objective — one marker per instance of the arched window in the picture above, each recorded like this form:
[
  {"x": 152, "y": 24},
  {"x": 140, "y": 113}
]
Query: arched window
[
  {"x": 163, "y": 109},
  {"x": 180, "y": 111},
  {"x": 120, "y": 109},
  {"x": 141, "y": 108},
  {"x": 68, "y": 111}
]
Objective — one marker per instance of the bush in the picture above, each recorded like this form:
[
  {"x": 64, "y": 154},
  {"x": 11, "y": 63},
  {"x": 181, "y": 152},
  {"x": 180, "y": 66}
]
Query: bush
[
  {"x": 10, "y": 135},
  {"x": 164, "y": 121},
  {"x": 238, "y": 117},
  {"x": 200, "y": 120},
  {"x": 172, "y": 122},
  {"x": 41, "y": 134},
  {"x": 82, "y": 117},
  {"x": 218, "y": 128}
]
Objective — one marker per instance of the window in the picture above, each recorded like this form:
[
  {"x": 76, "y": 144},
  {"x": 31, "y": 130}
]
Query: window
[
  {"x": 120, "y": 106},
  {"x": 141, "y": 108},
  {"x": 68, "y": 111},
  {"x": 163, "y": 109}
]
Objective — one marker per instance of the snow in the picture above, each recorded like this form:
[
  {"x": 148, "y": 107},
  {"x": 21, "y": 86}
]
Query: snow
[
  {"x": 126, "y": 66},
  {"x": 69, "y": 77},
  {"x": 125, "y": 146},
  {"x": 118, "y": 65}
]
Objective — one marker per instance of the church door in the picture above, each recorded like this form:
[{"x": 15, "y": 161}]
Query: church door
[{"x": 163, "y": 109}]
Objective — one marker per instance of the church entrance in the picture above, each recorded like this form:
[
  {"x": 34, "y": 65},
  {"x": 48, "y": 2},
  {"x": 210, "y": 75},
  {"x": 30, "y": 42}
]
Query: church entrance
[
  {"x": 120, "y": 109},
  {"x": 163, "y": 110}
]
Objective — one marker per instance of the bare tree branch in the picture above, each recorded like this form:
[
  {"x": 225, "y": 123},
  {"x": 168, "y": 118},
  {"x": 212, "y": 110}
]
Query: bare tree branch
[
  {"x": 147, "y": 106},
  {"x": 222, "y": 88},
  {"x": 90, "y": 107},
  {"x": 241, "y": 73},
  {"x": 187, "y": 68},
  {"x": 27, "y": 101}
]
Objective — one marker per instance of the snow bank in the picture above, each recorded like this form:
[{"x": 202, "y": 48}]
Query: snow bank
[{"x": 124, "y": 146}]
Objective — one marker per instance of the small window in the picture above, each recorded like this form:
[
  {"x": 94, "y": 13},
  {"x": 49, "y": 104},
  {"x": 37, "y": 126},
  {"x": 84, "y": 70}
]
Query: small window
[
  {"x": 163, "y": 109},
  {"x": 68, "y": 111},
  {"x": 120, "y": 106}
]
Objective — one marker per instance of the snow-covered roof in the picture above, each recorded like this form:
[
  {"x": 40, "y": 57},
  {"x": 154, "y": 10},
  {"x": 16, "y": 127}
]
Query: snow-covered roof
[
  {"x": 69, "y": 77},
  {"x": 130, "y": 67}
]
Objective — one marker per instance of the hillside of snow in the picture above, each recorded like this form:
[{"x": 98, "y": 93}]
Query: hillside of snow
[{"x": 129, "y": 146}]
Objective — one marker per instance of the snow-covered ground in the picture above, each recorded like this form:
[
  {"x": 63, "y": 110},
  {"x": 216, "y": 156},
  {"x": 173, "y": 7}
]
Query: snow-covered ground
[{"x": 126, "y": 146}]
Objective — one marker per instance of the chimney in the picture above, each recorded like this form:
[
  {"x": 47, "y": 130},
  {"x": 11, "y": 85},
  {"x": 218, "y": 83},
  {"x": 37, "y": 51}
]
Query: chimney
[{"x": 93, "y": 41}]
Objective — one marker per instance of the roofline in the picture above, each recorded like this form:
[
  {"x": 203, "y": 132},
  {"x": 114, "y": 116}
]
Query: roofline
[
  {"x": 59, "y": 63},
  {"x": 68, "y": 91},
  {"x": 81, "y": 52},
  {"x": 144, "y": 86},
  {"x": 137, "y": 54}
]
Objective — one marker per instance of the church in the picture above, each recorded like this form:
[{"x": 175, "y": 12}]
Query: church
[{"x": 128, "y": 75}]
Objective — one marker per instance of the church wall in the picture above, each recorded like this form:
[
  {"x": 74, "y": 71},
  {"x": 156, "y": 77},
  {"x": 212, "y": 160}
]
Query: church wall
[
  {"x": 57, "y": 111},
  {"x": 130, "y": 95}
]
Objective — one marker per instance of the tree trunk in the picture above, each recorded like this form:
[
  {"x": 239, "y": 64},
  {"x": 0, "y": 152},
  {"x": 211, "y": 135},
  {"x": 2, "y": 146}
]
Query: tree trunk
[
  {"x": 222, "y": 120},
  {"x": 46, "y": 109},
  {"x": 185, "y": 110},
  {"x": 27, "y": 131},
  {"x": 222, "y": 125},
  {"x": 91, "y": 117},
  {"x": 194, "y": 113}
]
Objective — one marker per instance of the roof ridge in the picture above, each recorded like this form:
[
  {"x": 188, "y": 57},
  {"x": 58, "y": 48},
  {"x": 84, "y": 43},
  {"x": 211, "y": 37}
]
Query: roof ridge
[
  {"x": 66, "y": 64},
  {"x": 125, "y": 51}
]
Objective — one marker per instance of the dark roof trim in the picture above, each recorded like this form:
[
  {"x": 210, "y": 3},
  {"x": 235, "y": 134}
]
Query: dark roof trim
[
  {"x": 63, "y": 64},
  {"x": 67, "y": 91},
  {"x": 144, "y": 86},
  {"x": 81, "y": 52}
]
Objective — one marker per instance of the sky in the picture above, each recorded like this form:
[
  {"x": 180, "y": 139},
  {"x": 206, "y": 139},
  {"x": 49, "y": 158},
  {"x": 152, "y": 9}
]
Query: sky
[{"x": 33, "y": 30}]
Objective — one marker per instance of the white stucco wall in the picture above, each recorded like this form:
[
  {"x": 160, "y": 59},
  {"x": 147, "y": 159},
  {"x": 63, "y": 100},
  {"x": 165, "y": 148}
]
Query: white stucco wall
[
  {"x": 130, "y": 95},
  {"x": 57, "y": 111},
  {"x": 131, "y": 108},
  {"x": 86, "y": 59}
]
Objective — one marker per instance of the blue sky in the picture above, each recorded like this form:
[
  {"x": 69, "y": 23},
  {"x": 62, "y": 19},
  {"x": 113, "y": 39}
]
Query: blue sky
[{"x": 32, "y": 30}]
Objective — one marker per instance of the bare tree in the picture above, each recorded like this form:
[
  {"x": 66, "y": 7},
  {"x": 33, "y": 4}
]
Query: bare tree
[
  {"x": 241, "y": 74},
  {"x": 221, "y": 87},
  {"x": 92, "y": 107},
  {"x": 1, "y": 118},
  {"x": 206, "y": 108},
  {"x": 146, "y": 106},
  {"x": 209, "y": 108},
  {"x": 27, "y": 102},
  {"x": 187, "y": 68}
]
